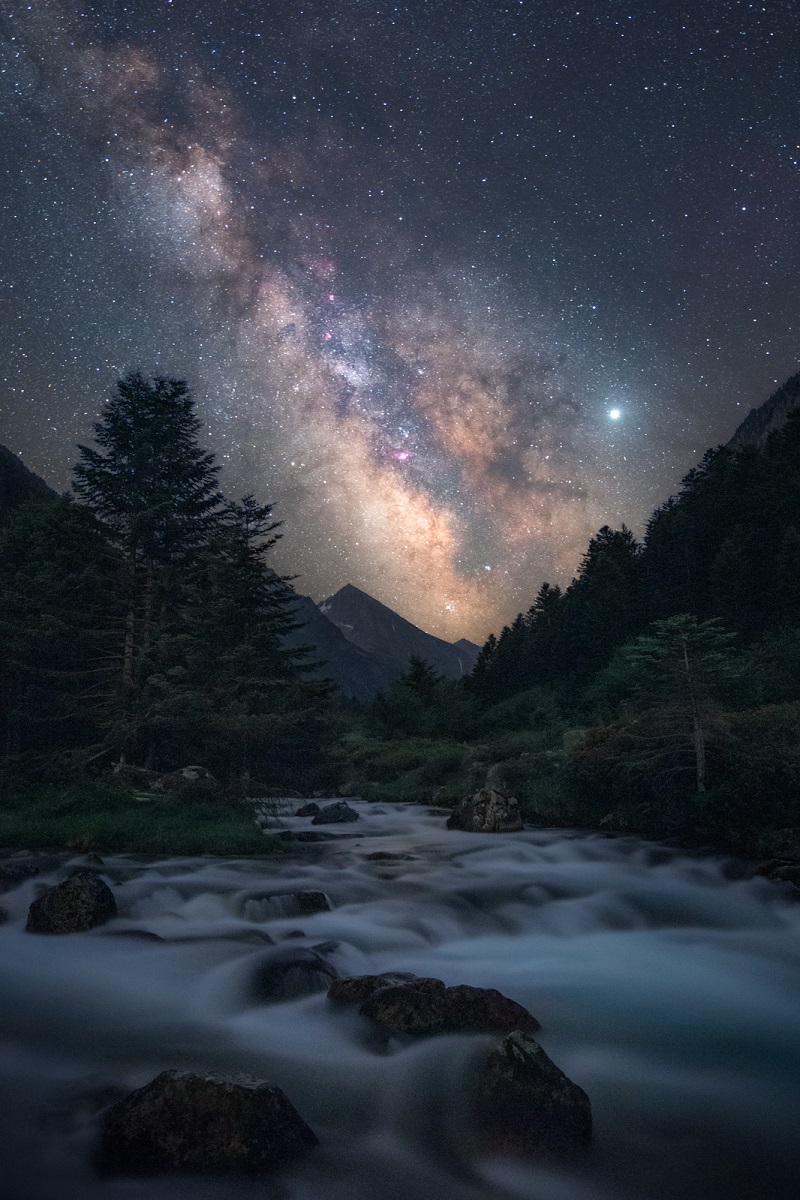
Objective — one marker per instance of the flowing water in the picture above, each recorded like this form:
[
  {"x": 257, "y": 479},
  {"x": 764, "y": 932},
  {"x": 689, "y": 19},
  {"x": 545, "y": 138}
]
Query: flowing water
[{"x": 667, "y": 985}]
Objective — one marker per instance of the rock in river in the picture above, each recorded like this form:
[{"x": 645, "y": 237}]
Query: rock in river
[
  {"x": 355, "y": 989},
  {"x": 335, "y": 814},
  {"x": 287, "y": 973},
  {"x": 401, "y": 1003},
  {"x": 181, "y": 1120},
  {"x": 307, "y": 810},
  {"x": 77, "y": 904},
  {"x": 523, "y": 1103},
  {"x": 407, "y": 1008},
  {"x": 285, "y": 904},
  {"x": 488, "y": 811},
  {"x": 15, "y": 871}
]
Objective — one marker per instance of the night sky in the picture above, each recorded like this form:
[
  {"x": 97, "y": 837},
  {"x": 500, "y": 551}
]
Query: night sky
[{"x": 454, "y": 283}]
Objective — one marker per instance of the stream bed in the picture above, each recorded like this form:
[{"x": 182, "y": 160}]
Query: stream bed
[{"x": 667, "y": 986}]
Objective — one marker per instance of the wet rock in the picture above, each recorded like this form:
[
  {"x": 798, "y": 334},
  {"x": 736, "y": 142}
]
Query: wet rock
[
  {"x": 185, "y": 1121},
  {"x": 287, "y": 973},
  {"x": 16, "y": 871},
  {"x": 308, "y": 810},
  {"x": 387, "y": 856},
  {"x": 488, "y": 811},
  {"x": 523, "y": 1103},
  {"x": 79, "y": 903},
  {"x": 409, "y": 1008},
  {"x": 335, "y": 814},
  {"x": 286, "y": 904},
  {"x": 355, "y": 989}
]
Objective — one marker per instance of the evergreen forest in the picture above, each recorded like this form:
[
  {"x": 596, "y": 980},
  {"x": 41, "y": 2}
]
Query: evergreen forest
[{"x": 143, "y": 628}]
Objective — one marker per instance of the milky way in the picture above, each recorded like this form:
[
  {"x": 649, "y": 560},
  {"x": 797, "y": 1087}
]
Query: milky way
[{"x": 454, "y": 284}]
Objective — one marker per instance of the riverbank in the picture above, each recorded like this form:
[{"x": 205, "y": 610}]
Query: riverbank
[{"x": 104, "y": 819}]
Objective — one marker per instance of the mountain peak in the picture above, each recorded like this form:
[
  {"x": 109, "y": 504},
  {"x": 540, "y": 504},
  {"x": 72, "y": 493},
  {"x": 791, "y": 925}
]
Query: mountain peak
[{"x": 374, "y": 627}]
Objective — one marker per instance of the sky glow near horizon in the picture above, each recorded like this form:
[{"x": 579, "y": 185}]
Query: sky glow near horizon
[{"x": 454, "y": 285}]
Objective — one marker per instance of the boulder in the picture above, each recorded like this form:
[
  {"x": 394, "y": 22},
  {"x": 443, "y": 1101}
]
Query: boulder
[
  {"x": 523, "y": 1103},
  {"x": 355, "y": 989},
  {"x": 77, "y": 904},
  {"x": 185, "y": 1121},
  {"x": 14, "y": 871},
  {"x": 387, "y": 856},
  {"x": 308, "y": 810},
  {"x": 409, "y": 1008},
  {"x": 285, "y": 904},
  {"x": 488, "y": 811},
  {"x": 287, "y": 973},
  {"x": 335, "y": 814}
]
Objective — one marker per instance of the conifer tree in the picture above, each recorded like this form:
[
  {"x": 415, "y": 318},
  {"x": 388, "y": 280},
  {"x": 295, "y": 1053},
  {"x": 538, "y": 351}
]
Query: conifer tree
[
  {"x": 678, "y": 671},
  {"x": 155, "y": 492},
  {"x": 230, "y": 682}
]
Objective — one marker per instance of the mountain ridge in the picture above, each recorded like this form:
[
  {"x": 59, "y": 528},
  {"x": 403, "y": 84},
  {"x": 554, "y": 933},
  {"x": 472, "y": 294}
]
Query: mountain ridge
[
  {"x": 373, "y": 626},
  {"x": 18, "y": 483},
  {"x": 771, "y": 415}
]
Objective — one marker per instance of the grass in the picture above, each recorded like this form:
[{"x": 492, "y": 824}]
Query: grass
[{"x": 106, "y": 820}]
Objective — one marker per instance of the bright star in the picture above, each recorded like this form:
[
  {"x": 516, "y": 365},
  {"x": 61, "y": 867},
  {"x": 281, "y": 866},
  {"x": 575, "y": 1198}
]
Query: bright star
[{"x": 615, "y": 413}]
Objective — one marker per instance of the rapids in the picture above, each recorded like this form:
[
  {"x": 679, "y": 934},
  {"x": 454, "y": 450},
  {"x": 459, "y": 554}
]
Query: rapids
[{"x": 667, "y": 984}]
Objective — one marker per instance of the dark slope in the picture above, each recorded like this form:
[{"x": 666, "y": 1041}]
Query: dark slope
[
  {"x": 375, "y": 628},
  {"x": 358, "y": 672},
  {"x": 17, "y": 483},
  {"x": 771, "y": 415}
]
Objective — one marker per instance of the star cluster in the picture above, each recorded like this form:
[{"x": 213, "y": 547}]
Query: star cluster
[{"x": 454, "y": 284}]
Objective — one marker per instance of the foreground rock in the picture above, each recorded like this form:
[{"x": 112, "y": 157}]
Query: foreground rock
[
  {"x": 15, "y": 871},
  {"x": 388, "y": 856},
  {"x": 402, "y": 1004},
  {"x": 79, "y": 903},
  {"x": 523, "y": 1103},
  {"x": 488, "y": 811},
  {"x": 184, "y": 1121},
  {"x": 406, "y": 1008},
  {"x": 355, "y": 989},
  {"x": 286, "y": 974},
  {"x": 335, "y": 814}
]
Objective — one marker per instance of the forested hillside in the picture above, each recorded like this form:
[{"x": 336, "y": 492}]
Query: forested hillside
[{"x": 660, "y": 690}]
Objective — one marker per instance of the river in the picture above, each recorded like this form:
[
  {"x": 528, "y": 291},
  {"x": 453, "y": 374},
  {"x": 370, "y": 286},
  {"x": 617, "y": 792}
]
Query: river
[{"x": 667, "y": 985}]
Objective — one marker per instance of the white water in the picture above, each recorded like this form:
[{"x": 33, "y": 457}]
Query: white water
[{"x": 667, "y": 986}]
